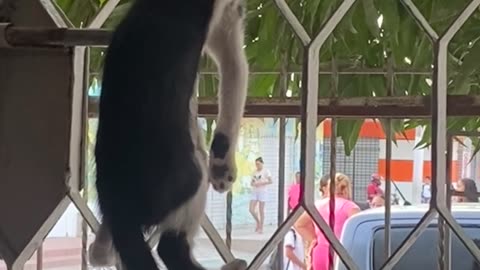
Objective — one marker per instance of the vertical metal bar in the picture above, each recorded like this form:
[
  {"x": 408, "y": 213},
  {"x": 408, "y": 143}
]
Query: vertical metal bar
[
  {"x": 84, "y": 152},
  {"x": 333, "y": 163},
  {"x": 388, "y": 167},
  {"x": 40, "y": 257},
  {"x": 439, "y": 132},
  {"x": 308, "y": 125},
  {"x": 354, "y": 175},
  {"x": 333, "y": 167},
  {"x": 447, "y": 241},
  {"x": 281, "y": 183},
  {"x": 388, "y": 191},
  {"x": 228, "y": 229},
  {"x": 439, "y": 137}
]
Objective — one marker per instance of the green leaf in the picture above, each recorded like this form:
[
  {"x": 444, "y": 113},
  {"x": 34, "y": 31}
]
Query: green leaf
[
  {"x": 356, "y": 43},
  {"x": 391, "y": 18},
  {"x": 467, "y": 69},
  {"x": 371, "y": 17},
  {"x": 349, "y": 131},
  {"x": 476, "y": 147},
  {"x": 426, "y": 139}
]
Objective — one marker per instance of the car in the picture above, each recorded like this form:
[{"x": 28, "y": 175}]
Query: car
[{"x": 363, "y": 237}]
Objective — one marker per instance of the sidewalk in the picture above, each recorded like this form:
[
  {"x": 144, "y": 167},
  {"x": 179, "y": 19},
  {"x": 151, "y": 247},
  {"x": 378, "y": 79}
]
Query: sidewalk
[{"x": 65, "y": 253}]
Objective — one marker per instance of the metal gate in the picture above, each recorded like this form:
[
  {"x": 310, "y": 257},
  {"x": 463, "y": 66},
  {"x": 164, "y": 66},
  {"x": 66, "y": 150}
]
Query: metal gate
[{"x": 16, "y": 254}]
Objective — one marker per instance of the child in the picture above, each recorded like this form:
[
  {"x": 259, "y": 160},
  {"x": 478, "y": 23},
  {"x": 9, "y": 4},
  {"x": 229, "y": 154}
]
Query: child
[{"x": 294, "y": 251}]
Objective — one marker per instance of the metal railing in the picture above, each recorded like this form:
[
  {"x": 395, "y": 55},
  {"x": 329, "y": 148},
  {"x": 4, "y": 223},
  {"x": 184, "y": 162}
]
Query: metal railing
[{"x": 12, "y": 37}]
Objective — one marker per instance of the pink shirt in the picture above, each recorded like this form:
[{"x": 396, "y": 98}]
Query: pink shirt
[
  {"x": 342, "y": 208},
  {"x": 293, "y": 195},
  {"x": 373, "y": 190}
]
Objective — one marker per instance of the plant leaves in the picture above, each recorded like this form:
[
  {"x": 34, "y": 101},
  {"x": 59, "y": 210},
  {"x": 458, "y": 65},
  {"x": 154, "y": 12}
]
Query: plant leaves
[{"x": 349, "y": 131}]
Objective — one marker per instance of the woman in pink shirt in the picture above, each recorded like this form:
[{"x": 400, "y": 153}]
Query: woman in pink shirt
[
  {"x": 344, "y": 208},
  {"x": 294, "y": 193}
]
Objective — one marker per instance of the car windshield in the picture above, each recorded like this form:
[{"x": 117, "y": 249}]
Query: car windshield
[{"x": 424, "y": 253}]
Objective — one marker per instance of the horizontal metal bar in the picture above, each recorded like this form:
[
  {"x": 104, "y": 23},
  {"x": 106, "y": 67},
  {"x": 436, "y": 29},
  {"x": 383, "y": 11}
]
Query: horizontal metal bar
[
  {"x": 354, "y": 107},
  {"x": 464, "y": 134},
  {"x": 55, "y": 37},
  {"x": 324, "y": 70}
]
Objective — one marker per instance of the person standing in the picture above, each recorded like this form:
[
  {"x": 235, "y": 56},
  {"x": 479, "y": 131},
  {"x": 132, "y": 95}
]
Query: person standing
[
  {"x": 261, "y": 178},
  {"x": 374, "y": 189},
  {"x": 344, "y": 209},
  {"x": 426, "y": 190},
  {"x": 377, "y": 201},
  {"x": 469, "y": 189},
  {"x": 294, "y": 251},
  {"x": 294, "y": 193}
]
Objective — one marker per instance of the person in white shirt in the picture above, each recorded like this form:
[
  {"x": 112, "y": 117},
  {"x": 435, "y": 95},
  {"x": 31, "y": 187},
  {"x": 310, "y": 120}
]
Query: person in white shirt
[
  {"x": 294, "y": 251},
  {"x": 426, "y": 191},
  {"x": 261, "y": 178}
]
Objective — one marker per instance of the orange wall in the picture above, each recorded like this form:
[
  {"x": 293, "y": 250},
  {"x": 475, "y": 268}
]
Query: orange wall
[
  {"x": 370, "y": 129},
  {"x": 402, "y": 170}
]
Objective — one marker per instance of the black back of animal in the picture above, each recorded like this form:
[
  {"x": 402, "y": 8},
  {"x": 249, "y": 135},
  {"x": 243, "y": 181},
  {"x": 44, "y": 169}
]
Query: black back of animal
[{"x": 144, "y": 150}]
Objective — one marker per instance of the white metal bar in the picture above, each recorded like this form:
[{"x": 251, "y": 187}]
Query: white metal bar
[
  {"x": 309, "y": 125},
  {"x": 388, "y": 190},
  {"x": 332, "y": 191},
  {"x": 409, "y": 240},
  {"x": 332, "y": 239},
  {"x": 460, "y": 233},
  {"x": 420, "y": 19},
  {"x": 104, "y": 13},
  {"x": 54, "y": 14},
  {"x": 459, "y": 21},
  {"x": 309, "y": 118},
  {"x": 216, "y": 240},
  {"x": 276, "y": 238},
  {"x": 37, "y": 238},
  {"x": 439, "y": 138},
  {"x": 84, "y": 210},
  {"x": 77, "y": 119},
  {"x": 330, "y": 24},
  {"x": 388, "y": 176},
  {"x": 297, "y": 27}
]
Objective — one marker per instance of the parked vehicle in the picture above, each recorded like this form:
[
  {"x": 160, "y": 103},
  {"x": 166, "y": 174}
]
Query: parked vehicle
[{"x": 363, "y": 237}]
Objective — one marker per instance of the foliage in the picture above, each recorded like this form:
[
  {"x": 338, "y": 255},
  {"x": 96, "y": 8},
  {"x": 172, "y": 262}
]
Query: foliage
[{"x": 373, "y": 35}]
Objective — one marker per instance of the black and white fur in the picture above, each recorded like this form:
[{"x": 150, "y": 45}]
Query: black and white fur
[{"x": 152, "y": 168}]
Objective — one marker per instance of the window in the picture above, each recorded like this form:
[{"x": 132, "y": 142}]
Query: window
[{"x": 424, "y": 253}]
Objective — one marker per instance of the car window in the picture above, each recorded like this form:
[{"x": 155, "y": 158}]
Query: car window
[{"x": 424, "y": 253}]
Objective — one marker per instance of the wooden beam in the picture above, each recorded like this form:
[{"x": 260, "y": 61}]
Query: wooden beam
[{"x": 350, "y": 107}]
